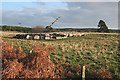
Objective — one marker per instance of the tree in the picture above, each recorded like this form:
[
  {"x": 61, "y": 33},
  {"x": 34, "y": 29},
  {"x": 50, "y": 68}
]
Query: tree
[
  {"x": 102, "y": 26},
  {"x": 38, "y": 29}
]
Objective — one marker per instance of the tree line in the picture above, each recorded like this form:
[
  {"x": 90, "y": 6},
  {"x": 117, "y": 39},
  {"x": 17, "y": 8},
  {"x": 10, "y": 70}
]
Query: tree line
[
  {"x": 102, "y": 27},
  {"x": 15, "y": 28},
  {"x": 36, "y": 29}
]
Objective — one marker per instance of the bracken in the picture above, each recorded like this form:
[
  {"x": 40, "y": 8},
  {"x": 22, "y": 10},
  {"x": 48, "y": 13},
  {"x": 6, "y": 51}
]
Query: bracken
[{"x": 17, "y": 64}]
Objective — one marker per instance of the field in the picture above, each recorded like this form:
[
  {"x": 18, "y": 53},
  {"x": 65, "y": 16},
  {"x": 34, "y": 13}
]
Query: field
[{"x": 99, "y": 52}]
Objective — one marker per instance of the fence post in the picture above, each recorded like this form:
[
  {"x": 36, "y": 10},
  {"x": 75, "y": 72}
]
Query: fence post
[{"x": 83, "y": 72}]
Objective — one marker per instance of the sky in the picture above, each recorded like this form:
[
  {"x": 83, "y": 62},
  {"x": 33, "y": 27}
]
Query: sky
[{"x": 73, "y": 14}]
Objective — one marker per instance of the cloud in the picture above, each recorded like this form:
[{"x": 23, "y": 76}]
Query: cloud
[
  {"x": 28, "y": 18},
  {"x": 73, "y": 14},
  {"x": 59, "y": 0},
  {"x": 89, "y": 14}
]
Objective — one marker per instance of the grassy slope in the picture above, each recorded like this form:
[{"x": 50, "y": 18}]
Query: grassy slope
[{"x": 94, "y": 50}]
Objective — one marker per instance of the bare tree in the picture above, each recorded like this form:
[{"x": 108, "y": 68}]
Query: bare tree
[{"x": 38, "y": 29}]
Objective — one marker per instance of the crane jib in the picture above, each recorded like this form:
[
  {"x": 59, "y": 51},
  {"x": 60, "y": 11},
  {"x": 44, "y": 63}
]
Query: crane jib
[{"x": 54, "y": 21}]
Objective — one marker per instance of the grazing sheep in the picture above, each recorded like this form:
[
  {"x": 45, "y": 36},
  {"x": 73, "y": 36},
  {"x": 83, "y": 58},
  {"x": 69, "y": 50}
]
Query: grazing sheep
[{"x": 37, "y": 37}]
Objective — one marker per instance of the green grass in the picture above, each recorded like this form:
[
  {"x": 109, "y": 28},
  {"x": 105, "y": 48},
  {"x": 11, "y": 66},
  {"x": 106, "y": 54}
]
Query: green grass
[{"x": 94, "y": 50}]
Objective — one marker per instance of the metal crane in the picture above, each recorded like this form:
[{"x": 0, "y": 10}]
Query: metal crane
[{"x": 49, "y": 27}]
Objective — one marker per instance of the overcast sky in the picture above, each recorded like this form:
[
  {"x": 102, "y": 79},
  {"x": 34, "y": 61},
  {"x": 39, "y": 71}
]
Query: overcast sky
[{"x": 73, "y": 14}]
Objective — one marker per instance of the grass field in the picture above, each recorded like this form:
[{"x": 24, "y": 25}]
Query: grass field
[{"x": 95, "y": 50}]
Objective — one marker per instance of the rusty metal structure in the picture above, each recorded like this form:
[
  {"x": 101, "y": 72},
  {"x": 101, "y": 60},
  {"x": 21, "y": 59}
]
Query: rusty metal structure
[{"x": 50, "y": 26}]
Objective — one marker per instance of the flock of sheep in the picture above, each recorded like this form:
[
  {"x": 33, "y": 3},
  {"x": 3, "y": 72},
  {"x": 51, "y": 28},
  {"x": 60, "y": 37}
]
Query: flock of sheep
[{"x": 47, "y": 36}]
